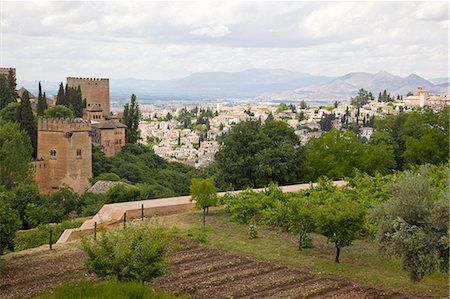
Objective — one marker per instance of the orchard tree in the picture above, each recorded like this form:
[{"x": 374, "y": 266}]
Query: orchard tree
[
  {"x": 301, "y": 215},
  {"x": 341, "y": 220},
  {"x": 59, "y": 111},
  {"x": 413, "y": 226},
  {"x": 204, "y": 193},
  {"x": 131, "y": 118},
  {"x": 15, "y": 154}
]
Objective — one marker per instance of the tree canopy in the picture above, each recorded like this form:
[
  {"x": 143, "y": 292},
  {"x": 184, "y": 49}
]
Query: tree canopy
[
  {"x": 131, "y": 118},
  {"x": 59, "y": 111}
]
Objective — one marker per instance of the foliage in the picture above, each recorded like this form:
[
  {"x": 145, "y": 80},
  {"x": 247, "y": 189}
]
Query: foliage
[
  {"x": 133, "y": 254},
  {"x": 9, "y": 222},
  {"x": 41, "y": 102},
  {"x": 6, "y": 95},
  {"x": 9, "y": 112},
  {"x": 204, "y": 193},
  {"x": 59, "y": 111},
  {"x": 91, "y": 203},
  {"x": 122, "y": 193},
  {"x": 414, "y": 226},
  {"x": 27, "y": 120},
  {"x": 252, "y": 231},
  {"x": 362, "y": 98},
  {"x": 71, "y": 98},
  {"x": 111, "y": 289},
  {"x": 15, "y": 155},
  {"x": 41, "y": 235},
  {"x": 301, "y": 217},
  {"x": 254, "y": 155},
  {"x": 341, "y": 220},
  {"x": 131, "y": 118},
  {"x": 137, "y": 163}
]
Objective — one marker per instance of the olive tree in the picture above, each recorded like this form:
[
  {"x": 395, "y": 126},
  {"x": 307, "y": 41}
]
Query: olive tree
[{"x": 413, "y": 226}]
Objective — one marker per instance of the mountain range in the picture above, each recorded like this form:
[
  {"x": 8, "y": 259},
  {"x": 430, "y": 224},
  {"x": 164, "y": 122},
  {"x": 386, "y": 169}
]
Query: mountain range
[{"x": 262, "y": 84}]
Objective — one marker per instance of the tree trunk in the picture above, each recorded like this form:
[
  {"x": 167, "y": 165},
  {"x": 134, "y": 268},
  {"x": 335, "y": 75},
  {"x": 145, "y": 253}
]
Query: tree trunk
[
  {"x": 300, "y": 240},
  {"x": 338, "y": 251},
  {"x": 207, "y": 210},
  {"x": 204, "y": 216}
]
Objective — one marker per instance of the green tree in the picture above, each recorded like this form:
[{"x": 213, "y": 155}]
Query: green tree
[
  {"x": 341, "y": 220},
  {"x": 6, "y": 96},
  {"x": 59, "y": 111},
  {"x": 27, "y": 120},
  {"x": 414, "y": 227},
  {"x": 361, "y": 99},
  {"x": 15, "y": 154},
  {"x": 9, "y": 222},
  {"x": 60, "y": 98},
  {"x": 335, "y": 154},
  {"x": 9, "y": 113},
  {"x": 204, "y": 193},
  {"x": 41, "y": 102},
  {"x": 301, "y": 215},
  {"x": 303, "y": 104},
  {"x": 12, "y": 84},
  {"x": 131, "y": 118}
]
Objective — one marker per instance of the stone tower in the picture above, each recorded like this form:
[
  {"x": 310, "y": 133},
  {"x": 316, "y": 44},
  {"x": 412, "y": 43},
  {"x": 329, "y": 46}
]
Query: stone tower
[
  {"x": 64, "y": 155},
  {"x": 94, "y": 90}
]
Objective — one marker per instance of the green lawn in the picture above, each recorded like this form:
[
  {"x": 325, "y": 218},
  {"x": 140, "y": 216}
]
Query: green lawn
[{"x": 360, "y": 263}]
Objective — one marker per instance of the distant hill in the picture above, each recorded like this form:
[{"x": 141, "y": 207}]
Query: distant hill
[
  {"x": 344, "y": 87},
  {"x": 257, "y": 83}
]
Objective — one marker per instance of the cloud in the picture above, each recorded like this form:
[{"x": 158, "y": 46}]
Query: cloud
[
  {"x": 216, "y": 31},
  {"x": 161, "y": 40}
]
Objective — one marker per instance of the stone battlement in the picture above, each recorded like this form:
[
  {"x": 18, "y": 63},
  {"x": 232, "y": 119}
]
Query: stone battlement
[
  {"x": 87, "y": 79},
  {"x": 63, "y": 125}
]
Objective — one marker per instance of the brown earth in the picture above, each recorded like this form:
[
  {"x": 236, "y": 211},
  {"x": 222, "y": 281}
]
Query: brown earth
[{"x": 195, "y": 270}]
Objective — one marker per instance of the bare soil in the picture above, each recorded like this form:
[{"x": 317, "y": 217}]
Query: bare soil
[{"x": 194, "y": 270}]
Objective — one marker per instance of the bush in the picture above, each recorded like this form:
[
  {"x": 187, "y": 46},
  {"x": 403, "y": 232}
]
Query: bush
[
  {"x": 122, "y": 193},
  {"x": 135, "y": 253},
  {"x": 109, "y": 290},
  {"x": 39, "y": 236},
  {"x": 91, "y": 203},
  {"x": 252, "y": 231}
]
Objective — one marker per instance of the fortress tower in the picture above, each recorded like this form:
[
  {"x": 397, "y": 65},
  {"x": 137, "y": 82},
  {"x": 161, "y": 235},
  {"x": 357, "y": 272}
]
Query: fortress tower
[
  {"x": 95, "y": 91},
  {"x": 64, "y": 155}
]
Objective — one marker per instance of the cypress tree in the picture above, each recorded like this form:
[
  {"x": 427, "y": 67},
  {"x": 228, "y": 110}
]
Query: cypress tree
[
  {"x": 39, "y": 106},
  {"x": 6, "y": 96},
  {"x": 131, "y": 118},
  {"x": 12, "y": 84},
  {"x": 60, "y": 97},
  {"x": 27, "y": 120}
]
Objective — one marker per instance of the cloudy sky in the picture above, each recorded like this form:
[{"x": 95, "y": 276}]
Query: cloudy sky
[{"x": 161, "y": 40}]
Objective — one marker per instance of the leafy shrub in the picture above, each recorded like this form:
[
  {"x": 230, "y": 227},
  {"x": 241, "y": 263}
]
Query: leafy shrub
[
  {"x": 135, "y": 253},
  {"x": 40, "y": 235},
  {"x": 111, "y": 289},
  {"x": 91, "y": 203},
  {"x": 122, "y": 193},
  {"x": 252, "y": 231}
]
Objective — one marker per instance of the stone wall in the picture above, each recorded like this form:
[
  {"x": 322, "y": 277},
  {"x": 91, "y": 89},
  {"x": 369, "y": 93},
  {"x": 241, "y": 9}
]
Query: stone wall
[{"x": 94, "y": 90}]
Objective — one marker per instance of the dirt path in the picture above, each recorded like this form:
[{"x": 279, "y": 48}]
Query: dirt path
[{"x": 195, "y": 270}]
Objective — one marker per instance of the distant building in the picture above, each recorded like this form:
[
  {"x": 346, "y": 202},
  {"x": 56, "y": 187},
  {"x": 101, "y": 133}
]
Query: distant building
[
  {"x": 4, "y": 71},
  {"x": 64, "y": 155},
  {"x": 95, "y": 91},
  {"x": 109, "y": 135},
  {"x": 423, "y": 98}
]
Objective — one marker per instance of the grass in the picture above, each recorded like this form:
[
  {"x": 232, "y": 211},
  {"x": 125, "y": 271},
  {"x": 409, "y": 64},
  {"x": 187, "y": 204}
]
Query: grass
[
  {"x": 41, "y": 235},
  {"x": 111, "y": 289},
  {"x": 360, "y": 263}
]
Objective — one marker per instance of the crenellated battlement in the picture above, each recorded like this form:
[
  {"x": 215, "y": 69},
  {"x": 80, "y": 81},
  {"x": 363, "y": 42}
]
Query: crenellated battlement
[
  {"x": 63, "y": 125},
  {"x": 86, "y": 79}
]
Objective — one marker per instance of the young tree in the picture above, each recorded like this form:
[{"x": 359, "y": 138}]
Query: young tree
[
  {"x": 204, "y": 193},
  {"x": 16, "y": 150},
  {"x": 59, "y": 111},
  {"x": 301, "y": 215},
  {"x": 131, "y": 118},
  {"x": 341, "y": 220},
  {"x": 414, "y": 227}
]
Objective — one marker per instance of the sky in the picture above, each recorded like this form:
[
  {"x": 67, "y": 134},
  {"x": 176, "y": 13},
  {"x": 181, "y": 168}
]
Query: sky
[{"x": 164, "y": 40}]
